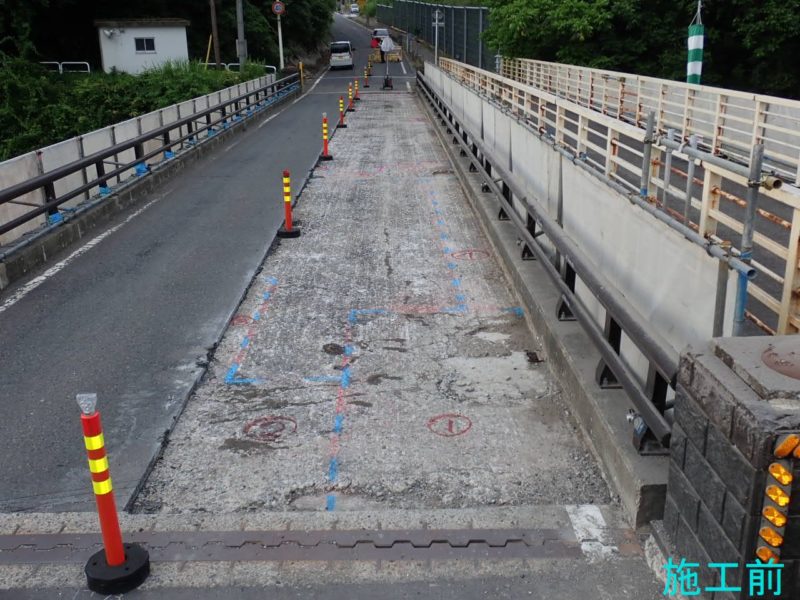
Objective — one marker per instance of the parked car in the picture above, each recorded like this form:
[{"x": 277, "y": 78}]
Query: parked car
[
  {"x": 341, "y": 55},
  {"x": 354, "y": 9}
]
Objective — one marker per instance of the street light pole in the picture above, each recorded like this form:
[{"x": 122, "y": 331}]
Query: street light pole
[
  {"x": 280, "y": 43},
  {"x": 437, "y": 22}
]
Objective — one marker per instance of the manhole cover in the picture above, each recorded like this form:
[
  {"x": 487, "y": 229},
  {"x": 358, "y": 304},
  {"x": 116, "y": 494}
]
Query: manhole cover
[{"x": 784, "y": 357}]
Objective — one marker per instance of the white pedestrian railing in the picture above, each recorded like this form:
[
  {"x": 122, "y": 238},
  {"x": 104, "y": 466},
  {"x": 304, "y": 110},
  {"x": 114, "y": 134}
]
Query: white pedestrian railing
[
  {"x": 599, "y": 117},
  {"x": 728, "y": 122}
]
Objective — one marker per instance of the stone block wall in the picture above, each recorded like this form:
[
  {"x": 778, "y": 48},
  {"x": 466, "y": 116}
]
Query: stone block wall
[{"x": 730, "y": 409}]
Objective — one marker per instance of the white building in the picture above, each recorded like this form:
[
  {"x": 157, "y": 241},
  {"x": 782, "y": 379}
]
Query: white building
[{"x": 138, "y": 44}]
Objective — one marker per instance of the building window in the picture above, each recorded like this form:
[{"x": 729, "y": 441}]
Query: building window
[{"x": 145, "y": 44}]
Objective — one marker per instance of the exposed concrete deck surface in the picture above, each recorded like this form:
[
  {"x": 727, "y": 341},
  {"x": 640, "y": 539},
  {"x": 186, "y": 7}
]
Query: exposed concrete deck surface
[{"x": 379, "y": 364}]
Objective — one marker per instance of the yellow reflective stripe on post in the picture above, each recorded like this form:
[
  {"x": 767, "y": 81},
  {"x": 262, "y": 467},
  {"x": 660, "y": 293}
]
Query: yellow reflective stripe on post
[
  {"x": 98, "y": 465},
  {"x": 102, "y": 487},
  {"x": 94, "y": 442}
]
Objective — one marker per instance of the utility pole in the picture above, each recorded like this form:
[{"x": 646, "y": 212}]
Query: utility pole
[
  {"x": 214, "y": 34},
  {"x": 241, "y": 42}
]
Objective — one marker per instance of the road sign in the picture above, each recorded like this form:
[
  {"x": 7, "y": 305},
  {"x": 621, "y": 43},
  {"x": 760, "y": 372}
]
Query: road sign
[{"x": 278, "y": 8}]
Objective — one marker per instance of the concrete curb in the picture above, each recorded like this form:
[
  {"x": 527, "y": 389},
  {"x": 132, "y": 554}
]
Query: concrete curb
[
  {"x": 97, "y": 212},
  {"x": 640, "y": 481}
]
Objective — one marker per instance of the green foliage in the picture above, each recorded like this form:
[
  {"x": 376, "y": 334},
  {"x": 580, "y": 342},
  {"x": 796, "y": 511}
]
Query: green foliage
[
  {"x": 371, "y": 8},
  {"x": 749, "y": 45},
  {"x": 38, "y": 108}
]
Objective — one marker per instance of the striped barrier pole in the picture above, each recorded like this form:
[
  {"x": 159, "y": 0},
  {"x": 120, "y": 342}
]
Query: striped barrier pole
[
  {"x": 356, "y": 86},
  {"x": 350, "y": 107},
  {"x": 287, "y": 231},
  {"x": 366, "y": 78},
  {"x": 325, "y": 155},
  {"x": 118, "y": 567},
  {"x": 341, "y": 112}
]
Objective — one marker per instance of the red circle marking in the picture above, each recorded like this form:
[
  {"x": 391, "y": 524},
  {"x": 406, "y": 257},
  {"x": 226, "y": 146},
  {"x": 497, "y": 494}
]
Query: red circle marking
[
  {"x": 449, "y": 424},
  {"x": 270, "y": 429},
  {"x": 278, "y": 8},
  {"x": 470, "y": 254},
  {"x": 241, "y": 320}
]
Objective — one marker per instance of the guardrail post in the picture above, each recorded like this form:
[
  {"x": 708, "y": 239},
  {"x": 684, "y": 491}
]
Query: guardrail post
[
  {"x": 527, "y": 254},
  {"x": 563, "y": 312},
  {"x": 168, "y": 153},
  {"x": 604, "y": 376},
  {"x": 101, "y": 181},
  {"x": 141, "y": 167},
  {"x": 643, "y": 439}
]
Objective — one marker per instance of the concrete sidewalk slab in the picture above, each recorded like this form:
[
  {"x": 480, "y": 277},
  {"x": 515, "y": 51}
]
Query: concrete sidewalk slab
[{"x": 380, "y": 360}]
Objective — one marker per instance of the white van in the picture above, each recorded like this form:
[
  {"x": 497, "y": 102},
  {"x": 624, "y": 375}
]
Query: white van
[
  {"x": 341, "y": 55},
  {"x": 354, "y": 9}
]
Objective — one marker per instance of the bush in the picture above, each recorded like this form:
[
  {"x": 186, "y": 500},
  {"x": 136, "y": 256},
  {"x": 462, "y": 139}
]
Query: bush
[{"x": 38, "y": 108}]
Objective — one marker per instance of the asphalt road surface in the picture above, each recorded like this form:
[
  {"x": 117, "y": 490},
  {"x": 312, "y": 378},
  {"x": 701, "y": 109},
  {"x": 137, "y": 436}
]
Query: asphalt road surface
[{"x": 133, "y": 319}]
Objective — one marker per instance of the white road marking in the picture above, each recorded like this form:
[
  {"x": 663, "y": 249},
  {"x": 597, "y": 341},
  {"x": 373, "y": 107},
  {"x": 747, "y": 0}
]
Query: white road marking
[
  {"x": 408, "y": 85},
  {"x": 590, "y": 528},
  {"x": 231, "y": 146},
  {"x": 402, "y": 66},
  {"x": 296, "y": 100},
  {"x": 37, "y": 281}
]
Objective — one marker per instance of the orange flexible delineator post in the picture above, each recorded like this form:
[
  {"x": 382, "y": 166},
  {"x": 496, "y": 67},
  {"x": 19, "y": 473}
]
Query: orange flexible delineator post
[
  {"x": 358, "y": 99},
  {"x": 325, "y": 155},
  {"x": 350, "y": 107},
  {"x": 118, "y": 567},
  {"x": 341, "y": 112},
  {"x": 287, "y": 231},
  {"x": 366, "y": 78}
]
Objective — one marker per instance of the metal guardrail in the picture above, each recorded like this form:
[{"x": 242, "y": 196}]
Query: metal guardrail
[
  {"x": 68, "y": 66},
  {"x": 594, "y": 118},
  {"x": 233, "y": 109},
  {"x": 460, "y": 37},
  {"x": 570, "y": 262}
]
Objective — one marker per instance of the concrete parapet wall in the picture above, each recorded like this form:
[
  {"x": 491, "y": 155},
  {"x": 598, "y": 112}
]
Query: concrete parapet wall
[
  {"x": 667, "y": 280},
  {"x": 730, "y": 409}
]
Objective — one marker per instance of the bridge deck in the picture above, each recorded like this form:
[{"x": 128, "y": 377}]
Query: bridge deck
[{"x": 378, "y": 377}]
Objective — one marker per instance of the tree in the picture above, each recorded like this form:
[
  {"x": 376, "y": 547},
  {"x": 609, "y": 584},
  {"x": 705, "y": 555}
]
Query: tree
[{"x": 749, "y": 45}]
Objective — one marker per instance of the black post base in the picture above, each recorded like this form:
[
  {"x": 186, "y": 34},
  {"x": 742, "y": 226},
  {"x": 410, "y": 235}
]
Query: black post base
[
  {"x": 104, "y": 579},
  {"x": 387, "y": 83},
  {"x": 285, "y": 233},
  {"x": 325, "y": 157}
]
